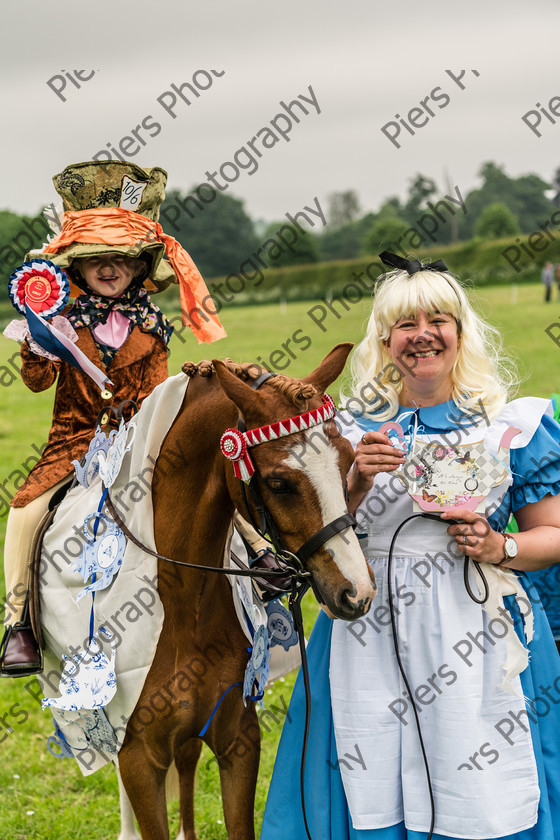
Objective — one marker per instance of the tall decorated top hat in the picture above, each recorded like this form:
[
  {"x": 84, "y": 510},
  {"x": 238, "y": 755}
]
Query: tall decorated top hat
[
  {"x": 113, "y": 206},
  {"x": 114, "y": 184}
]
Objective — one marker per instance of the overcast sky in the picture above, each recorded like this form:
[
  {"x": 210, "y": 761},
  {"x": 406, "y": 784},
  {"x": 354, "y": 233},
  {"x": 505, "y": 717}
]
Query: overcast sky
[{"x": 364, "y": 61}]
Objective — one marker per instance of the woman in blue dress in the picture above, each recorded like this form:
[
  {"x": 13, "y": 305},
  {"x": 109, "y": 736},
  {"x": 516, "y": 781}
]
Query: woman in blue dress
[{"x": 440, "y": 709}]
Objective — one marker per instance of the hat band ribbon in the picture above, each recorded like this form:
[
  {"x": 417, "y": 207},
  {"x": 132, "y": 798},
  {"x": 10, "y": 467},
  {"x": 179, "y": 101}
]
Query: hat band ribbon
[{"x": 117, "y": 226}]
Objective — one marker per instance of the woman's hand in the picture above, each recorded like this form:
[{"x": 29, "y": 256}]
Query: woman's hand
[
  {"x": 475, "y": 537},
  {"x": 374, "y": 454}
]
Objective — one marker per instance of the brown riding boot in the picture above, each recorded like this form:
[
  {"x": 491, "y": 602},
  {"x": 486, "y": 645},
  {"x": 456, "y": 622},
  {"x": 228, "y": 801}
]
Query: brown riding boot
[{"x": 20, "y": 655}]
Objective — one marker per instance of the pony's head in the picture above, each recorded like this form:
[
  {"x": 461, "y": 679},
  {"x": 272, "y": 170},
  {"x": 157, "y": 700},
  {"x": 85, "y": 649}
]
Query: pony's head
[{"x": 301, "y": 476}]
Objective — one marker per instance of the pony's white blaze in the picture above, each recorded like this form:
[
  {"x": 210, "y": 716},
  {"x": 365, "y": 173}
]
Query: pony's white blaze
[{"x": 319, "y": 462}]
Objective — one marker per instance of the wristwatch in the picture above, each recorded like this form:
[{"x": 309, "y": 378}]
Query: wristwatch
[{"x": 510, "y": 549}]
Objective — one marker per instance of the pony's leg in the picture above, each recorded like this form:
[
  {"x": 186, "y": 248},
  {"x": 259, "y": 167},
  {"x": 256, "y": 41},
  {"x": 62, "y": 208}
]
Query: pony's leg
[
  {"x": 235, "y": 739},
  {"x": 144, "y": 783},
  {"x": 128, "y": 823},
  {"x": 186, "y": 759}
]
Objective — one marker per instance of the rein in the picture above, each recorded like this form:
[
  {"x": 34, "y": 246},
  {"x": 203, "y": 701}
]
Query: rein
[{"x": 244, "y": 572}]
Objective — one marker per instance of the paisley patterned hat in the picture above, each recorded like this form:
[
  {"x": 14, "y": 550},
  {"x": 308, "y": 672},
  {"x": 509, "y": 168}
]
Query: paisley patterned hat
[
  {"x": 112, "y": 207},
  {"x": 105, "y": 185}
]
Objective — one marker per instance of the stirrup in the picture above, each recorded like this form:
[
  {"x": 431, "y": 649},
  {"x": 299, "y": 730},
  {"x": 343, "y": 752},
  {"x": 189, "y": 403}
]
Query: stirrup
[{"x": 4, "y": 643}]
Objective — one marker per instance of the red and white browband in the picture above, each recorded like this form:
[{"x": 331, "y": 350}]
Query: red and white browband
[{"x": 234, "y": 443}]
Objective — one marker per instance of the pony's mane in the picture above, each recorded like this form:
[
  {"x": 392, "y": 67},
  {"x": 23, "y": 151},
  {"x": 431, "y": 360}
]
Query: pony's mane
[{"x": 296, "y": 391}]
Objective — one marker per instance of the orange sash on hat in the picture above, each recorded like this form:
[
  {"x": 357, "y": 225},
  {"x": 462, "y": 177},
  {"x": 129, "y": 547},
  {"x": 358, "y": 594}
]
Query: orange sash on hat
[{"x": 117, "y": 226}]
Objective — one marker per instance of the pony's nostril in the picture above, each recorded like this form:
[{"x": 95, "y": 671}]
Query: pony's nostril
[
  {"x": 350, "y": 603},
  {"x": 348, "y": 598}
]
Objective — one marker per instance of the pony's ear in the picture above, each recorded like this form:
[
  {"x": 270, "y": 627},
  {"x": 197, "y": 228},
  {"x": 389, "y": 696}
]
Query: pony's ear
[
  {"x": 330, "y": 368},
  {"x": 239, "y": 392}
]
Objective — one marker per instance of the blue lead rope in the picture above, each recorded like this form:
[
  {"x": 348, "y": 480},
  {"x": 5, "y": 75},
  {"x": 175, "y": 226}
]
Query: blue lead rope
[
  {"x": 94, "y": 576},
  {"x": 204, "y": 729}
]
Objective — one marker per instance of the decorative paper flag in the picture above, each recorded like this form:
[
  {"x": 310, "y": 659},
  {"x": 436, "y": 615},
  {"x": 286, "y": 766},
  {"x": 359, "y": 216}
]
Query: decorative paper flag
[
  {"x": 110, "y": 464},
  {"x": 88, "y": 467},
  {"x": 102, "y": 555},
  {"x": 56, "y": 342},
  {"x": 281, "y": 629},
  {"x": 88, "y": 680},
  {"x": 256, "y": 672}
]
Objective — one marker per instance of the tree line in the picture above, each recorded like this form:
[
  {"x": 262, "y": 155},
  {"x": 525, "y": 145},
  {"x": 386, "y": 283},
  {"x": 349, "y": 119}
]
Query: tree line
[{"x": 221, "y": 235}]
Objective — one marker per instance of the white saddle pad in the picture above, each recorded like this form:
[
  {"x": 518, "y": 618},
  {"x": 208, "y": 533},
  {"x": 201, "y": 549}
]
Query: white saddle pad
[{"x": 130, "y": 607}]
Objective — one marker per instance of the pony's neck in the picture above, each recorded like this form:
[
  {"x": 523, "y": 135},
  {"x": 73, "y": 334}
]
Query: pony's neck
[{"x": 192, "y": 506}]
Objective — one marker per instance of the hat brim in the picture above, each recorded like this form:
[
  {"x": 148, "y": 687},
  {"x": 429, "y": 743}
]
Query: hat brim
[{"x": 161, "y": 274}]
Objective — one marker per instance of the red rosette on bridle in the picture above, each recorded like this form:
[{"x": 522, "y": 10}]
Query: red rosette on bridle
[
  {"x": 234, "y": 447},
  {"x": 40, "y": 284}
]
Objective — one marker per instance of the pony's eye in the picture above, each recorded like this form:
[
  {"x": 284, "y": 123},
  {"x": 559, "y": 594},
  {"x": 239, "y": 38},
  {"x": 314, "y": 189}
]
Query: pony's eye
[{"x": 278, "y": 485}]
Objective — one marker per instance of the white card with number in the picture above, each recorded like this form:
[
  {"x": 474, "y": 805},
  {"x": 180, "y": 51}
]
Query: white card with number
[{"x": 131, "y": 193}]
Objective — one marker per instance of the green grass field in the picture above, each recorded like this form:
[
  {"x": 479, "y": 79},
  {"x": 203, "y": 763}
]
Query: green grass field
[{"x": 46, "y": 798}]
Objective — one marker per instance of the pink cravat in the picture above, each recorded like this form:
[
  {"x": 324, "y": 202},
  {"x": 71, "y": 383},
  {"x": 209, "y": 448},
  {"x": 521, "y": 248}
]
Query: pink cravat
[{"x": 114, "y": 331}]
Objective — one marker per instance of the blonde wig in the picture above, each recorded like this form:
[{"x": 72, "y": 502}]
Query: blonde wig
[{"x": 479, "y": 372}]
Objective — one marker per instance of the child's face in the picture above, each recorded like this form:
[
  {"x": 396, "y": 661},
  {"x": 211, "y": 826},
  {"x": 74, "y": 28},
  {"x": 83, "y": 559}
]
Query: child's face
[{"x": 108, "y": 274}]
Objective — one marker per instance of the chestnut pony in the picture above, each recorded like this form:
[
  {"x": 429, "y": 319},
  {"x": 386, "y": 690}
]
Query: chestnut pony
[{"x": 301, "y": 478}]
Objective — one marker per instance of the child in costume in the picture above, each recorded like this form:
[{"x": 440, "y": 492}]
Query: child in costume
[
  {"x": 114, "y": 252},
  {"x": 450, "y": 686}
]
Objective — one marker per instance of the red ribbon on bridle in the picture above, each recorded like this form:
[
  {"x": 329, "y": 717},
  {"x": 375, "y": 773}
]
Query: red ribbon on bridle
[{"x": 235, "y": 444}]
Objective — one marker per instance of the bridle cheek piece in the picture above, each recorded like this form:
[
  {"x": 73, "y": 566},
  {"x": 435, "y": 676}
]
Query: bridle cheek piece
[{"x": 235, "y": 444}]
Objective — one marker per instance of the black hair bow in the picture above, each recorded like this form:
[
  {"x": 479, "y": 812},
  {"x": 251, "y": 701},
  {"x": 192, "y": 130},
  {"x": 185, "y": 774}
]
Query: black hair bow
[{"x": 411, "y": 266}]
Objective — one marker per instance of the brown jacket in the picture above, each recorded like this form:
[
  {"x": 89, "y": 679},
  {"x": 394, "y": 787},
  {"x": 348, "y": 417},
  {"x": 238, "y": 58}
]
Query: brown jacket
[{"x": 137, "y": 367}]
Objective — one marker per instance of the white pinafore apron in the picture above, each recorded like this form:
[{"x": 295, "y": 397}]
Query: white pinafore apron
[{"x": 462, "y": 663}]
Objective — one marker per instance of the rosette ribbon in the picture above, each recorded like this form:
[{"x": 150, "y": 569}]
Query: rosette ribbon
[
  {"x": 41, "y": 285},
  {"x": 39, "y": 290},
  {"x": 235, "y": 444}
]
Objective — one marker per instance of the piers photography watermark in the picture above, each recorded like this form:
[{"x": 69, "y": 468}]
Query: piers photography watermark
[
  {"x": 534, "y": 117},
  {"x": 421, "y": 114},
  {"x": 59, "y": 81},
  {"x": 183, "y": 95},
  {"x": 246, "y": 158}
]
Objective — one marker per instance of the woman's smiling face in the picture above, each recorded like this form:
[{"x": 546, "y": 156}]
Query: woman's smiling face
[{"x": 424, "y": 346}]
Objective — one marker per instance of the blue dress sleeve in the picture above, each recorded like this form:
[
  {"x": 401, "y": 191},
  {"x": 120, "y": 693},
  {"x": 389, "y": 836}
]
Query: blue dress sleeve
[
  {"x": 536, "y": 472},
  {"x": 536, "y": 467}
]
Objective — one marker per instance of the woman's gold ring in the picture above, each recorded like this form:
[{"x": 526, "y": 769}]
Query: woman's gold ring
[{"x": 364, "y": 441}]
